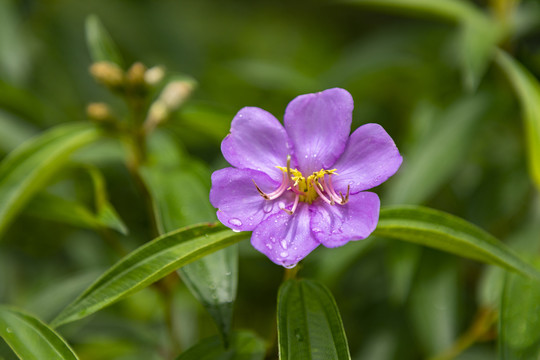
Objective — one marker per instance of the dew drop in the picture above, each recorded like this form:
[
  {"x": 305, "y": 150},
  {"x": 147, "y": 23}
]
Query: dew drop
[
  {"x": 284, "y": 244},
  {"x": 281, "y": 205},
  {"x": 268, "y": 207},
  {"x": 284, "y": 254},
  {"x": 269, "y": 246},
  {"x": 235, "y": 222},
  {"x": 298, "y": 335},
  {"x": 234, "y": 230},
  {"x": 290, "y": 266},
  {"x": 9, "y": 330}
]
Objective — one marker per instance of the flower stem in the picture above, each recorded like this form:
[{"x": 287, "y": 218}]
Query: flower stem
[
  {"x": 479, "y": 329},
  {"x": 290, "y": 273}
]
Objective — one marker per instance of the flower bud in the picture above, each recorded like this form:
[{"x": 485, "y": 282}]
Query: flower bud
[
  {"x": 108, "y": 74},
  {"x": 175, "y": 94},
  {"x": 154, "y": 75},
  {"x": 99, "y": 112},
  {"x": 135, "y": 76}
]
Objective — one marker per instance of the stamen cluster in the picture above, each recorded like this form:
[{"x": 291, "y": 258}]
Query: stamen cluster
[{"x": 306, "y": 189}]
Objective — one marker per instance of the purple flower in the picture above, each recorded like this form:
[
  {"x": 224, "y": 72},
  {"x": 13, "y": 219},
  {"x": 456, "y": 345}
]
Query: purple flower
[{"x": 302, "y": 185}]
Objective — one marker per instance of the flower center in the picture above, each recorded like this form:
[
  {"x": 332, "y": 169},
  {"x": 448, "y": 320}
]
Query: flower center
[{"x": 306, "y": 189}]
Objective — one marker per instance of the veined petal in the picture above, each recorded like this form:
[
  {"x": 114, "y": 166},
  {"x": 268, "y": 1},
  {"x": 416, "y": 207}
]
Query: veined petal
[
  {"x": 369, "y": 159},
  {"x": 318, "y": 126},
  {"x": 239, "y": 204},
  {"x": 338, "y": 224},
  {"x": 285, "y": 239},
  {"x": 257, "y": 141}
]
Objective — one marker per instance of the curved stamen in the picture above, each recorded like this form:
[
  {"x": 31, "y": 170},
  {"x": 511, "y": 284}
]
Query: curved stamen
[
  {"x": 276, "y": 193},
  {"x": 290, "y": 212},
  {"x": 329, "y": 188},
  {"x": 319, "y": 192}
]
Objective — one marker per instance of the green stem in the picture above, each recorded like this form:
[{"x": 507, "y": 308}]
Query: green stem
[{"x": 482, "y": 326}]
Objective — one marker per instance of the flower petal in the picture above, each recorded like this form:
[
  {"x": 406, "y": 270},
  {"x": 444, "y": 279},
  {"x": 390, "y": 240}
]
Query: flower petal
[
  {"x": 285, "y": 239},
  {"x": 318, "y": 126},
  {"x": 240, "y": 206},
  {"x": 369, "y": 159},
  {"x": 257, "y": 141},
  {"x": 335, "y": 225}
]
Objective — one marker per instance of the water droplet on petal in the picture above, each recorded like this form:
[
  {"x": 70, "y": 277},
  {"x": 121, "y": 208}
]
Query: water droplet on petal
[
  {"x": 284, "y": 254},
  {"x": 269, "y": 246},
  {"x": 281, "y": 205},
  {"x": 290, "y": 266},
  {"x": 284, "y": 244},
  {"x": 235, "y": 222},
  {"x": 268, "y": 207},
  {"x": 234, "y": 230}
]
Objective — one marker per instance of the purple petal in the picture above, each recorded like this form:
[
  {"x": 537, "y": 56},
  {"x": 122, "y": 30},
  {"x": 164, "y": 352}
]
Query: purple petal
[
  {"x": 369, "y": 159},
  {"x": 285, "y": 239},
  {"x": 318, "y": 126},
  {"x": 240, "y": 206},
  {"x": 335, "y": 225},
  {"x": 257, "y": 141}
]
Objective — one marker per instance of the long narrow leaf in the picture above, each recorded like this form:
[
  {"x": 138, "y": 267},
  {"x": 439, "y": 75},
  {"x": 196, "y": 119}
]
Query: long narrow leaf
[
  {"x": 28, "y": 168},
  {"x": 449, "y": 233},
  {"x": 309, "y": 324},
  {"x": 148, "y": 264},
  {"x": 527, "y": 89},
  {"x": 453, "y": 10},
  {"x": 30, "y": 338}
]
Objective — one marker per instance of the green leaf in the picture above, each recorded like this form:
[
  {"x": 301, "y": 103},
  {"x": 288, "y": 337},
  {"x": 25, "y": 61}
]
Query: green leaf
[
  {"x": 309, "y": 324},
  {"x": 519, "y": 326},
  {"x": 148, "y": 264},
  {"x": 100, "y": 43},
  {"x": 449, "y": 233},
  {"x": 30, "y": 338},
  {"x": 244, "y": 346},
  {"x": 29, "y": 167},
  {"x": 181, "y": 198},
  {"x": 452, "y": 10},
  {"x": 106, "y": 214},
  {"x": 55, "y": 208},
  {"x": 527, "y": 90}
]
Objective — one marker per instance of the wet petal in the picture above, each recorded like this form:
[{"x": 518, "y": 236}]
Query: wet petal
[
  {"x": 318, "y": 126},
  {"x": 335, "y": 225},
  {"x": 285, "y": 239},
  {"x": 240, "y": 206},
  {"x": 257, "y": 141},
  {"x": 369, "y": 159}
]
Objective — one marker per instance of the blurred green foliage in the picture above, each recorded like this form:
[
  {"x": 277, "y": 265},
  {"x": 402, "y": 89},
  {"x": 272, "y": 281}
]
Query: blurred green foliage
[{"x": 430, "y": 74}]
